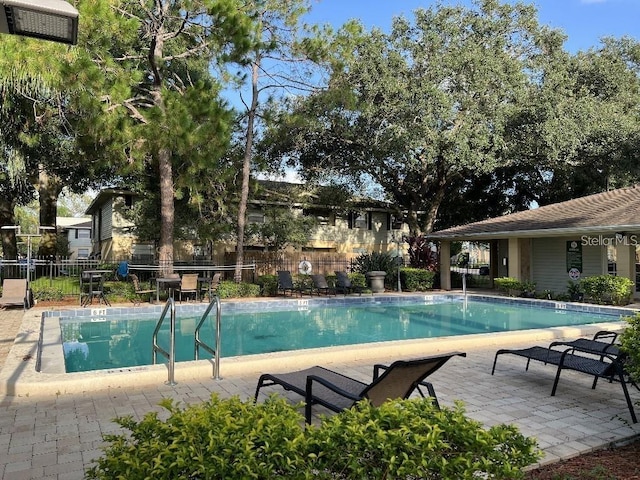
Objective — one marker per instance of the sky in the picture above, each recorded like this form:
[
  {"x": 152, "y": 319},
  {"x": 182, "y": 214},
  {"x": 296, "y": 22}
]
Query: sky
[{"x": 583, "y": 21}]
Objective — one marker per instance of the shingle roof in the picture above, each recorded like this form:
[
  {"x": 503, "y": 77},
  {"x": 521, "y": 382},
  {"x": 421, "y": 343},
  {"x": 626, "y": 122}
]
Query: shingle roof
[{"x": 612, "y": 211}]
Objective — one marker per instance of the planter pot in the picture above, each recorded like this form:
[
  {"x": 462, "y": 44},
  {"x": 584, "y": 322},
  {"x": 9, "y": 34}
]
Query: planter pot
[{"x": 376, "y": 280}]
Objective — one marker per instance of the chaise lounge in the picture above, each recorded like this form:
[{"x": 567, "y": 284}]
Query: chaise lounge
[
  {"x": 14, "y": 293},
  {"x": 337, "y": 392},
  {"x": 599, "y": 359}
]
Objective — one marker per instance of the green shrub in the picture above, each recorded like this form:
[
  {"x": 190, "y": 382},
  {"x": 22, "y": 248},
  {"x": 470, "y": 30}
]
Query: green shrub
[
  {"x": 47, "y": 293},
  {"x": 508, "y": 285},
  {"x": 416, "y": 279},
  {"x": 630, "y": 341},
  {"x": 231, "y": 289},
  {"x": 222, "y": 439},
  {"x": 372, "y": 262},
  {"x": 218, "y": 439},
  {"x": 268, "y": 285},
  {"x": 608, "y": 289},
  {"x": 415, "y": 439}
]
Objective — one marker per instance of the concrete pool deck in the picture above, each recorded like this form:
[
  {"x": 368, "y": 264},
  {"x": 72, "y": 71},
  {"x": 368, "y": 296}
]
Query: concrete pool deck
[{"x": 52, "y": 430}]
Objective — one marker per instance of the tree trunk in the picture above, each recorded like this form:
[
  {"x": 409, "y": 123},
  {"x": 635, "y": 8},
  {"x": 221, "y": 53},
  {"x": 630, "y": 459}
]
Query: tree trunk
[
  {"x": 246, "y": 172},
  {"x": 9, "y": 245},
  {"x": 167, "y": 212},
  {"x": 49, "y": 189}
]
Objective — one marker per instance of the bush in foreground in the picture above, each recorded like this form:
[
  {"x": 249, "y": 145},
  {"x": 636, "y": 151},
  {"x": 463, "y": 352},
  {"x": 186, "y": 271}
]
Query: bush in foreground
[{"x": 222, "y": 439}]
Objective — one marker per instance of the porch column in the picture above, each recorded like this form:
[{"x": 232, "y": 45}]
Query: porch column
[
  {"x": 445, "y": 265},
  {"x": 626, "y": 262},
  {"x": 515, "y": 259}
]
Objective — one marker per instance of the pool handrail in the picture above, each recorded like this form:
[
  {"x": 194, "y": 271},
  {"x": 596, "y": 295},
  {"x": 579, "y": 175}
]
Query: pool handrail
[
  {"x": 171, "y": 354},
  {"x": 200, "y": 344}
]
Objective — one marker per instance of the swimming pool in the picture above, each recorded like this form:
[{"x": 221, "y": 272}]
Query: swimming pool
[{"x": 105, "y": 342}]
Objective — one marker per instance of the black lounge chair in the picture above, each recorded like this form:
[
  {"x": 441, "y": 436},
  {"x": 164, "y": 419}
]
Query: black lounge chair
[
  {"x": 606, "y": 366},
  {"x": 285, "y": 282},
  {"x": 596, "y": 345},
  {"x": 320, "y": 285},
  {"x": 338, "y": 392},
  {"x": 344, "y": 285}
]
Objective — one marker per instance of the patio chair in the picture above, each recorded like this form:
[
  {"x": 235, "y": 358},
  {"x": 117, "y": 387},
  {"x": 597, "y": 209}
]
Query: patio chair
[
  {"x": 338, "y": 392},
  {"x": 139, "y": 292},
  {"x": 344, "y": 285},
  {"x": 188, "y": 285},
  {"x": 209, "y": 287},
  {"x": 14, "y": 293},
  {"x": 595, "y": 345},
  {"x": 285, "y": 283},
  {"x": 320, "y": 285},
  {"x": 573, "y": 358}
]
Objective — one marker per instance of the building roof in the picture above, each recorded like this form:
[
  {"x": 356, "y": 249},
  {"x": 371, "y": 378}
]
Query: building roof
[{"x": 612, "y": 211}]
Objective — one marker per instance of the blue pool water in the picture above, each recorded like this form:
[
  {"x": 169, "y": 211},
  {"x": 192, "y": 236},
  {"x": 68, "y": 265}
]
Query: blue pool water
[{"x": 110, "y": 342}]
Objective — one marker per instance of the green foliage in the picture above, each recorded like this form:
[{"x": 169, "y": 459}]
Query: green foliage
[
  {"x": 268, "y": 285},
  {"x": 372, "y": 262},
  {"x": 218, "y": 439},
  {"x": 508, "y": 285},
  {"x": 415, "y": 439},
  {"x": 282, "y": 228},
  {"x": 608, "y": 289},
  {"x": 416, "y": 279},
  {"x": 230, "y": 289},
  {"x": 630, "y": 342},
  {"x": 46, "y": 293},
  {"x": 222, "y": 439},
  {"x": 358, "y": 279}
]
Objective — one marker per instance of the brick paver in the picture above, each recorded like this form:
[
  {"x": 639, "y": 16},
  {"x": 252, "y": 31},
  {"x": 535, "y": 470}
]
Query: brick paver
[{"x": 58, "y": 436}]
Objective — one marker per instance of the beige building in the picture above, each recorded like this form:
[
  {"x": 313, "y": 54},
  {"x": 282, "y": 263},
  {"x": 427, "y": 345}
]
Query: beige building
[
  {"x": 551, "y": 245},
  {"x": 365, "y": 226}
]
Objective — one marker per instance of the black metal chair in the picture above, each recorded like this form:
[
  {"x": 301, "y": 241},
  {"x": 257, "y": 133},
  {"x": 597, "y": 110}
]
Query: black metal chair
[{"x": 319, "y": 385}]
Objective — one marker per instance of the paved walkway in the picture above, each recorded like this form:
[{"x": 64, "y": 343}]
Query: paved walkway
[{"x": 58, "y": 436}]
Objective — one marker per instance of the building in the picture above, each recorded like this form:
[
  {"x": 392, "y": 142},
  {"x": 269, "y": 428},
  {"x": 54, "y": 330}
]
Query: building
[
  {"x": 77, "y": 231},
  {"x": 364, "y": 225},
  {"x": 552, "y": 245}
]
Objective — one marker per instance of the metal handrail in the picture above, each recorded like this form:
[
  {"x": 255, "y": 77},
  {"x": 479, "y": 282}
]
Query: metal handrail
[
  {"x": 200, "y": 344},
  {"x": 171, "y": 354}
]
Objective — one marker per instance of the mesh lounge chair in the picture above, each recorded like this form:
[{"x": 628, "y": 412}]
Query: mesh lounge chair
[
  {"x": 139, "y": 292},
  {"x": 285, "y": 283},
  {"x": 14, "y": 293},
  {"x": 573, "y": 358},
  {"x": 320, "y": 285},
  {"x": 596, "y": 345},
  {"x": 344, "y": 285},
  {"x": 337, "y": 392}
]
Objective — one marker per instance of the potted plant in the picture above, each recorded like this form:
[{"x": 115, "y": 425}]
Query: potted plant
[
  {"x": 574, "y": 290},
  {"x": 528, "y": 289}
]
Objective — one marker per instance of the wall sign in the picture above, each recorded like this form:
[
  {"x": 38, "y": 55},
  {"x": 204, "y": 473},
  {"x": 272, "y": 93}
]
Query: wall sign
[{"x": 574, "y": 259}]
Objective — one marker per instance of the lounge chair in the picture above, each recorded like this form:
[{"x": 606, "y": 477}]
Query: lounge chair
[
  {"x": 14, "y": 293},
  {"x": 139, "y": 292},
  {"x": 320, "y": 285},
  {"x": 285, "y": 283},
  {"x": 337, "y": 392},
  {"x": 344, "y": 285},
  {"x": 189, "y": 285},
  {"x": 595, "y": 345},
  {"x": 608, "y": 366}
]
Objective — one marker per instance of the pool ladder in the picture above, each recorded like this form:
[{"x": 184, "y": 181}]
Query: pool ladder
[{"x": 170, "y": 307}]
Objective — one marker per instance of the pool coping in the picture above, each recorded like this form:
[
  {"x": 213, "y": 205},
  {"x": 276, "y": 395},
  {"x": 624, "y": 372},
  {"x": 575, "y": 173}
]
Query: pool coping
[{"x": 20, "y": 377}]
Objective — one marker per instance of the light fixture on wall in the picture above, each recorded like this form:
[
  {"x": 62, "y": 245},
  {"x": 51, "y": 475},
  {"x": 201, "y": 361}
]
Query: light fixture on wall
[{"x": 54, "y": 20}]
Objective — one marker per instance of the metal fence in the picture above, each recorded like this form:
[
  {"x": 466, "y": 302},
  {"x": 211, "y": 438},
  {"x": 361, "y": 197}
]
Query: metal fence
[{"x": 64, "y": 274}]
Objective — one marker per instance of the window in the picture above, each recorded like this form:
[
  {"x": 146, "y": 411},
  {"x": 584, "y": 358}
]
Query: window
[
  {"x": 83, "y": 234},
  {"x": 83, "y": 253},
  {"x": 360, "y": 220},
  {"x": 323, "y": 216},
  {"x": 255, "y": 217}
]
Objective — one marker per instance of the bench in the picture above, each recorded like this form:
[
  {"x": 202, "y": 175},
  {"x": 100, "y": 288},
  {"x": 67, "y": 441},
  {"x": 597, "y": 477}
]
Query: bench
[{"x": 601, "y": 365}]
